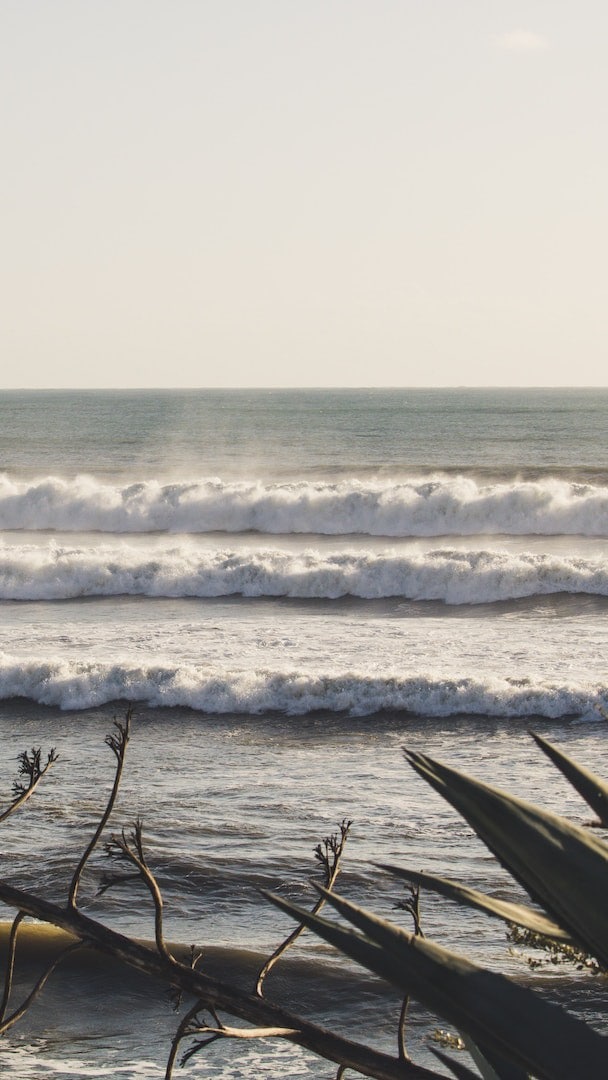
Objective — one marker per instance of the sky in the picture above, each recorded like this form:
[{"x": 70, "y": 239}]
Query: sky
[{"x": 303, "y": 193}]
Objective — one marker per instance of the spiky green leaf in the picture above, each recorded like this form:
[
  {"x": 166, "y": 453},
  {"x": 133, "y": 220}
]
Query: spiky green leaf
[
  {"x": 562, "y": 866},
  {"x": 509, "y": 1020},
  {"x": 592, "y": 789},
  {"x": 492, "y": 1067},
  {"x": 490, "y": 905}
]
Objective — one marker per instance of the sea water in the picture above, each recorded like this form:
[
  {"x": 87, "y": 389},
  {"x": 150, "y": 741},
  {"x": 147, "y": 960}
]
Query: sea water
[{"x": 288, "y": 586}]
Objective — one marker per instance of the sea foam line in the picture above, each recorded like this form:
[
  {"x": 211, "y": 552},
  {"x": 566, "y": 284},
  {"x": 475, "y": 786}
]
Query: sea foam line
[
  {"x": 455, "y": 576},
  {"x": 39, "y": 572},
  {"x": 432, "y": 507},
  {"x": 71, "y": 684}
]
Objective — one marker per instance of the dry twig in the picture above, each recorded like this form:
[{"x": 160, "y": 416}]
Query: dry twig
[
  {"x": 117, "y": 741},
  {"x": 32, "y": 769},
  {"x": 411, "y": 904},
  {"x": 329, "y": 854}
]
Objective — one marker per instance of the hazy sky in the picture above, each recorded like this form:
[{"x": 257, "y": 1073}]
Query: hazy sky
[{"x": 303, "y": 192}]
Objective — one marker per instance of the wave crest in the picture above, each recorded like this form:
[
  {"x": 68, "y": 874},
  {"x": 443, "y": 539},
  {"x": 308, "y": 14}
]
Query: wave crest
[
  {"x": 443, "y": 505},
  {"x": 70, "y": 684},
  {"x": 33, "y": 572}
]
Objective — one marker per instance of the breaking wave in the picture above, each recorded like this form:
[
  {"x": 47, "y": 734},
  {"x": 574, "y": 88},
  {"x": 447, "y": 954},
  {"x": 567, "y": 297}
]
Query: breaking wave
[
  {"x": 435, "y": 506},
  {"x": 71, "y": 684},
  {"x": 53, "y": 572}
]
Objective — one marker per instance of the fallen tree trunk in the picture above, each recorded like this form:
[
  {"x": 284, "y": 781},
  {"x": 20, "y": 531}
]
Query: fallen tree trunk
[{"x": 212, "y": 992}]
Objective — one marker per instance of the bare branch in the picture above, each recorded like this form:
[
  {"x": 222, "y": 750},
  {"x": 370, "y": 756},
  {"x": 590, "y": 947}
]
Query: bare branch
[
  {"x": 117, "y": 741},
  {"x": 411, "y": 904},
  {"x": 200, "y": 1045},
  {"x": 32, "y": 769},
  {"x": 108, "y": 881},
  {"x": 176, "y": 992},
  {"x": 182, "y": 1033},
  {"x": 10, "y": 963},
  {"x": 329, "y": 854},
  {"x": 192, "y": 1025},
  {"x": 250, "y": 1032},
  {"x": 401, "y": 1039},
  {"x": 224, "y": 1032},
  {"x": 189, "y": 1022},
  {"x": 130, "y": 846},
  {"x": 6, "y": 1024}
]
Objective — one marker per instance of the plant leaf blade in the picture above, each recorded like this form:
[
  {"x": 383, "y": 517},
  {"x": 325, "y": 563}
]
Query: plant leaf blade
[
  {"x": 495, "y": 1012},
  {"x": 590, "y": 787},
  {"x": 506, "y": 910},
  {"x": 562, "y": 866}
]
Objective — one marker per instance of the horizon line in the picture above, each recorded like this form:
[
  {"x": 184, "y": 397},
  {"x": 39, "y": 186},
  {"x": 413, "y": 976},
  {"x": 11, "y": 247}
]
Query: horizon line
[{"x": 387, "y": 386}]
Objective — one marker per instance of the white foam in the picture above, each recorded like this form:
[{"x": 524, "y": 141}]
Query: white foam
[
  {"x": 53, "y": 572},
  {"x": 71, "y": 684},
  {"x": 432, "y": 507},
  {"x": 37, "y": 1061}
]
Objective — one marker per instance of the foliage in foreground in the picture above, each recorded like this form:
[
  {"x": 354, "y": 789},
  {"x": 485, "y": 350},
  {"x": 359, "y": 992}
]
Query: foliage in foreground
[{"x": 511, "y": 1032}]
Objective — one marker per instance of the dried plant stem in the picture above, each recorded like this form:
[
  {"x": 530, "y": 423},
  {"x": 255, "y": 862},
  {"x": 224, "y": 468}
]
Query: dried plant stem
[
  {"x": 118, "y": 744},
  {"x": 225, "y": 1032},
  {"x": 10, "y": 963},
  {"x": 8, "y": 1023},
  {"x": 191, "y": 1025},
  {"x": 29, "y": 766},
  {"x": 412, "y": 906},
  {"x": 329, "y": 854},
  {"x": 131, "y": 848},
  {"x": 182, "y": 1032},
  {"x": 401, "y": 1040}
]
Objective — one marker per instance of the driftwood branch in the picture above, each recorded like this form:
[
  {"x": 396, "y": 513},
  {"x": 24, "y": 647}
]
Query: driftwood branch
[
  {"x": 214, "y": 993},
  {"x": 195, "y": 1026}
]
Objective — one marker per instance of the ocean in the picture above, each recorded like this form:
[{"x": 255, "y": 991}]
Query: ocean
[{"x": 288, "y": 587}]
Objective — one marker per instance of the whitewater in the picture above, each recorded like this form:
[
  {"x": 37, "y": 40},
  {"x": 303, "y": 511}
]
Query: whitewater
[
  {"x": 433, "y": 506},
  {"x": 81, "y": 685},
  {"x": 59, "y": 572}
]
